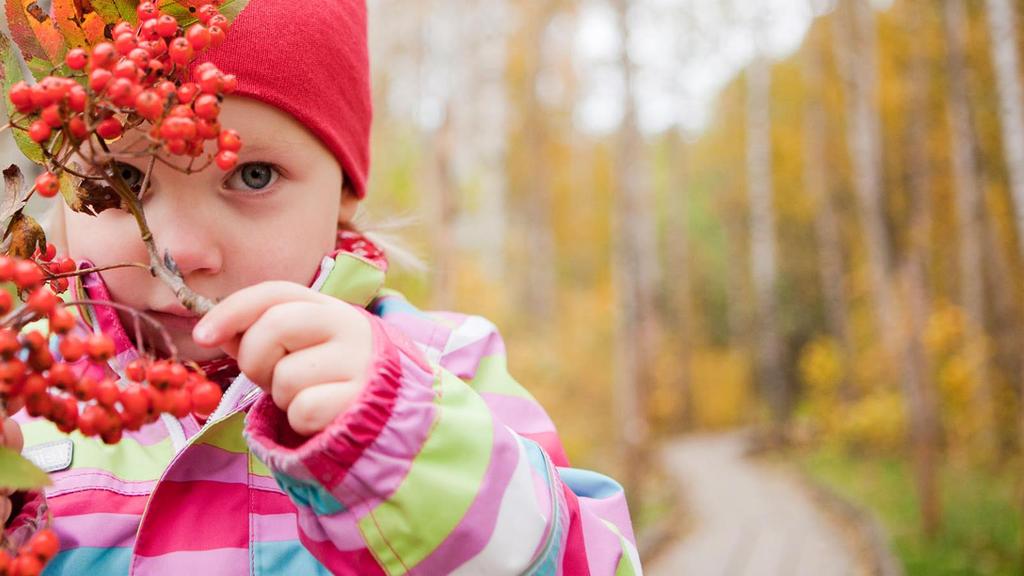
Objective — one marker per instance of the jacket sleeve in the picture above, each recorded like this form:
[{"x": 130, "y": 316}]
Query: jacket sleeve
[{"x": 427, "y": 472}]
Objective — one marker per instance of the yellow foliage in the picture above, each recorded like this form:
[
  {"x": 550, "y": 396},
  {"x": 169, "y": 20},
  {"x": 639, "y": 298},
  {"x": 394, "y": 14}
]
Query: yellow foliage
[
  {"x": 822, "y": 367},
  {"x": 722, "y": 395},
  {"x": 876, "y": 422}
]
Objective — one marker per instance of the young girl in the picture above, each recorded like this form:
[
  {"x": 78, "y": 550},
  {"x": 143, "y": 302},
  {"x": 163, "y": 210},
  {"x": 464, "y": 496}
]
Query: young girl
[{"x": 357, "y": 434}]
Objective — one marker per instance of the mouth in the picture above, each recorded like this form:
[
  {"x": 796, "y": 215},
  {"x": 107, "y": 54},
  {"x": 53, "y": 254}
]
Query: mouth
[{"x": 175, "y": 317}]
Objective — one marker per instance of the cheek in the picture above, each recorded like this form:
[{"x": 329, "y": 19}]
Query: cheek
[{"x": 110, "y": 238}]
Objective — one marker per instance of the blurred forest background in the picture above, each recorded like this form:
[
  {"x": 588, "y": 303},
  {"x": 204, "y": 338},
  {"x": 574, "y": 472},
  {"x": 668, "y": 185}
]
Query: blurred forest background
[{"x": 802, "y": 216}]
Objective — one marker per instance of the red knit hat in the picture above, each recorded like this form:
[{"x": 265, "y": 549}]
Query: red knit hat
[{"x": 311, "y": 60}]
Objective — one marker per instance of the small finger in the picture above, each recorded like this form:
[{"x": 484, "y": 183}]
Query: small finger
[
  {"x": 314, "y": 408},
  {"x": 283, "y": 329},
  {"x": 241, "y": 309},
  {"x": 307, "y": 368},
  {"x": 12, "y": 435}
]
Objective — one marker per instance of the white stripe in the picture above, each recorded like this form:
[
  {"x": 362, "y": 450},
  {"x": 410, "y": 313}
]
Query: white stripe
[
  {"x": 519, "y": 530},
  {"x": 472, "y": 330}
]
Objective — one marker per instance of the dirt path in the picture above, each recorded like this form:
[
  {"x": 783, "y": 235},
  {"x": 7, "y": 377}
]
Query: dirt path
[{"x": 750, "y": 520}]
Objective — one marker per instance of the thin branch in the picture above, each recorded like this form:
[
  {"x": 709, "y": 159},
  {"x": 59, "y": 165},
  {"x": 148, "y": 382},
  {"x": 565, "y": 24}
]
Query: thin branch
[
  {"x": 137, "y": 314},
  {"x": 85, "y": 271}
]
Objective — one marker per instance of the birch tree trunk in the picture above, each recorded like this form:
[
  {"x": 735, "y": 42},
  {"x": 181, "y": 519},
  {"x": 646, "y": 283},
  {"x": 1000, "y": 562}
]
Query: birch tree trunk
[
  {"x": 817, "y": 181},
  {"x": 1006, "y": 62},
  {"x": 635, "y": 273},
  {"x": 678, "y": 295},
  {"x": 969, "y": 211},
  {"x": 764, "y": 270}
]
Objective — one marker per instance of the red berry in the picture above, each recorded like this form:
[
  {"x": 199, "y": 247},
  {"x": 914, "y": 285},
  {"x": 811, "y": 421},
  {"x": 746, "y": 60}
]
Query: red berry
[
  {"x": 135, "y": 401},
  {"x": 103, "y": 55},
  {"x": 42, "y": 301},
  {"x": 159, "y": 374},
  {"x": 125, "y": 43},
  {"x": 229, "y": 140},
  {"x": 7, "y": 268},
  {"x": 26, "y": 565},
  {"x": 182, "y": 111},
  {"x": 210, "y": 81},
  {"x": 156, "y": 47},
  {"x": 126, "y": 69},
  {"x": 71, "y": 348},
  {"x": 187, "y": 92},
  {"x": 109, "y": 129},
  {"x": 38, "y": 405},
  {"x": 44, "y": 544},
  {"x": 207, "y": 107},
  {"x": 147, "y": 11},
  {"x": 113, "y": 434},
  {"x": 149, "y": 104},
  {"x": 107, "y": 392},
  {"x": 226, "y": 160},
  {"x": 62, "y": 376},
  {"x": 51, "y": 115},
  {"x": 77, "y": 58},
  {"x": 27, "y": 275},
  {"x": 176, "y": 375},
  {"x": 21, "y": 96},
  {"x": 9, "y": 344},
  {"x": 136, "y": 370},
  {"x": 49, "y": 253},
  {"x": 40, "y": 360},
  {"x": 180, "y": 51},
  {"x": 99, "y": 78},
  {"x": 206, "y": 12},
  {"x": 61, "y": 321},
  {"x": 198, "y": 36},
  {"x": 39, "y": 131},
  {"x": 181, "y": 402},
  {"x": 99, "y": 347},
  {"x": 5, "y": 562},
  {"x": 205, "y": 398},
  {"x": 166, "y": 26},
  {"x": 47, "y": 184},
  {"x": 92, "y": 420},
  {"x": 220, "y": 21},
  {"x": 217, "y": 36},
  {"x": 77, "y": 98},
  {"x": 78, "y": 128},
  {"x": 229, "y": 83},
  {"x": 35, "y": 384},
  {"x": 140, "y": 56},
  {"x": 177, "y": 127},
  {"x": 176, "y": 146},
  {"x": 34, "y": 340},
  {"x": 122, "y": 28},
  {"x": 207, "y": 130},
  {"x": 6, "y": 301},
  {"x": 120, "y": 92},
  {"x": 64, "y": 265}
]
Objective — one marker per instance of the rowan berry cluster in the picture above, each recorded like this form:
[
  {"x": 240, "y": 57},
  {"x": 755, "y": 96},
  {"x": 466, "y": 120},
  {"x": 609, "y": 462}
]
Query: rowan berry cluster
[
  {"x": 141, "y": 74},
  {"x": 54, "y": 386},
  {"x": 32, "y": 557}
]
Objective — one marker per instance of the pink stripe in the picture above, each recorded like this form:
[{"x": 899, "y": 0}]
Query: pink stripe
[
  {"x": 522, "y": 415},
  {"x": 216, "y": 515},
  {"x": 206, "y": 462},
  {"x": 269, "y": 503},
  {"x": 99, "y": 530},
  {"x": 149, "y": 434},
  {"x": 613, "y": 509},
  {"x": 384, "y": 464},
  {"x": 92, "y": 501},
  {"x": 603, "y": 546},
  {"x": 474, "y": 531},
  {"x": 95, "y": 479},
  {"x": 464, "y": 361},
  {"x": 418, "y": 328},
  {"x": 341, "y": 530},
  {"x": 222, "y": 561},
  {"x": 263, "y": 483},
  {"x": 274, "y": 527}
]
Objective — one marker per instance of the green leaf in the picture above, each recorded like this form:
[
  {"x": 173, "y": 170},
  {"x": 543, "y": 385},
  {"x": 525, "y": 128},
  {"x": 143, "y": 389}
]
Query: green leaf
[
  {"x": 10, "y": 74},
  {"x": 17, "y": 473},
  {"x": 114, "y": 11},
  {"x": 180, "y": 10}
]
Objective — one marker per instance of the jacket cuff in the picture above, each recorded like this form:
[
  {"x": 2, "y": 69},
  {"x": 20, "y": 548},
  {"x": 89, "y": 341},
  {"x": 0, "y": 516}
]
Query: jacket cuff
[{"x": 327, "y": 456}]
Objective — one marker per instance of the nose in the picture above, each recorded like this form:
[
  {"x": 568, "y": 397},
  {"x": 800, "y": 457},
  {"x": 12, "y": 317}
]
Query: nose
[{"x": 184, "y": 227}]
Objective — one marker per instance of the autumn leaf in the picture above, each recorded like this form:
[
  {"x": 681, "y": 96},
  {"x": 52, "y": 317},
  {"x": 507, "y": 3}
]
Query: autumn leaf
[
  {"x": 13, "y": 200},
  {"x": 114, "y": 11},
  {"x": 11, "y": 74},
  {"x": 79, "y": 27},
  {"x": 92, "y": 197},
  {"x": 18, "y": 473},
  {"x": 23, "y": 236},
  {"x": 42, "y": 45}
]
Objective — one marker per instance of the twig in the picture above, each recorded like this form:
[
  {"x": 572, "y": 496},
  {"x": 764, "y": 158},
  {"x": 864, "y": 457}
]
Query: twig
[
  {"x": 84, "y": 271},
  {"x": 137, "y": 314}
]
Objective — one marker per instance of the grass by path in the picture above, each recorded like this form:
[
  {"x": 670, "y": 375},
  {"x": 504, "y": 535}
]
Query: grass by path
[{"x": 980, "y": 534}]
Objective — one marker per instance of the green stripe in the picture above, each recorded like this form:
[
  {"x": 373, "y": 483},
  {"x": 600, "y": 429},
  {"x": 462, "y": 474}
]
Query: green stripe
[
  {"x": 226, "y": 434},
  {"x": 128, "y": 460},
  {"x": 492, "y": 376},
  {"x": 257, "y": 468},
  {"x": 353, "y": 280},
  {"x": 435, "y": 495}
]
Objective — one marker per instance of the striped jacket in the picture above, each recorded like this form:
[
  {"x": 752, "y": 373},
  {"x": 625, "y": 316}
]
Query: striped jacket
[{"x": 444, "y": 465}]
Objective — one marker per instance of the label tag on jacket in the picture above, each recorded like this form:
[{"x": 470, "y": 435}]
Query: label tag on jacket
[{"x": 51, "y": 456}]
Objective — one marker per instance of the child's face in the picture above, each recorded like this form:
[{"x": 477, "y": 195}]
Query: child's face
[{"x": 271, "y": 218}]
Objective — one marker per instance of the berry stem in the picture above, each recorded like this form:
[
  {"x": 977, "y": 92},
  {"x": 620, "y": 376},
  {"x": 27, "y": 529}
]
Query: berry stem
[
  {"x": 172, "y": 350},
  {"x": 85, "y": 271}
]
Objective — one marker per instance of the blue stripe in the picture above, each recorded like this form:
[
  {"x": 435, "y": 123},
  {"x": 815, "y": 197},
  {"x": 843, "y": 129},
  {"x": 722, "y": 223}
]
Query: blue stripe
[
  {"x": 312, "y": 496},
  {"x": 288, "y": 557},
  {"x": 90, "y": 560},
  {"x": 589, "y": 484}
]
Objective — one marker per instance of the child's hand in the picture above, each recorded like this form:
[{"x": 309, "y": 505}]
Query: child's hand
[
  {"x": 10, "y": 437},
  {"x": 309, "y": 351}
]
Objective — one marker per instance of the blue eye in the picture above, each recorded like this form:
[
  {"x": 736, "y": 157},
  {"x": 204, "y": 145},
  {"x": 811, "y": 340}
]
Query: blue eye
[
  {"x": 253, "y": 176},
  {"x": 131, "y": 175}
]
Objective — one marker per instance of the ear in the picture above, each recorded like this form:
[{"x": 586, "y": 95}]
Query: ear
[{"x": 349, "y": 204}]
